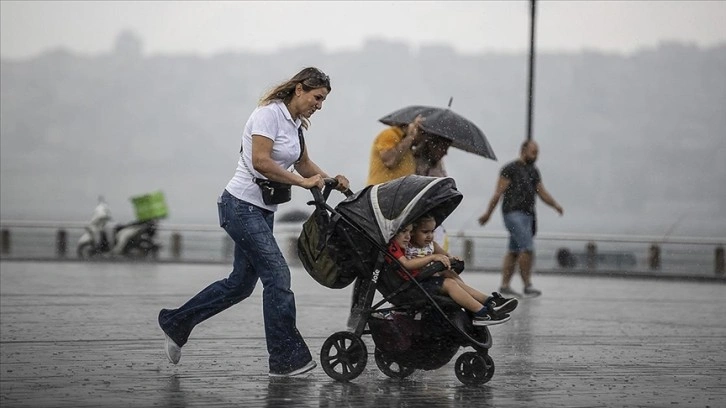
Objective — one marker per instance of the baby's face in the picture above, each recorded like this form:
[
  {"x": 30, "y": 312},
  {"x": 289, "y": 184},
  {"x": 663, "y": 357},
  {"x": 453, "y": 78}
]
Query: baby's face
[
  {"x": 424, "y": 234},
  {"x": 403, "y": 237}
]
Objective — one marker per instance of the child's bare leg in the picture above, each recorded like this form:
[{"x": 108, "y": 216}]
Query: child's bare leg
[
  {"x": 460, "y": 296},
  {"x": 479, "y": 296}
]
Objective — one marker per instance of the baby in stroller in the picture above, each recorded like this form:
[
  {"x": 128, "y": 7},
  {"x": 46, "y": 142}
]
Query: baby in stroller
[{"x": 414, "y": 248}]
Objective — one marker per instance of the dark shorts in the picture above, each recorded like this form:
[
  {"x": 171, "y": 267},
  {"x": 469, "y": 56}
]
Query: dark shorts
[{"x": 433, "y": 285}]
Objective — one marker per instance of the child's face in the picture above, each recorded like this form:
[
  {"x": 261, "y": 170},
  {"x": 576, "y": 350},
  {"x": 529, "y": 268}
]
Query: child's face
[
  {"x": 424, "y": 233},
  {"x": 403, "y": 237}
]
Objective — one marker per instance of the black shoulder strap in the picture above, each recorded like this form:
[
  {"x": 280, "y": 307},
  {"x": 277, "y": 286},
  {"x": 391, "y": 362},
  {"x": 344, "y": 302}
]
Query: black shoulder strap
[{"x": 302, "y": 143}]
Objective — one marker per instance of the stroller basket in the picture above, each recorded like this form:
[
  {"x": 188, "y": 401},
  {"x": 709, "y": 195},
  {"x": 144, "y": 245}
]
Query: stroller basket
[{"x": 393, "y": 331}]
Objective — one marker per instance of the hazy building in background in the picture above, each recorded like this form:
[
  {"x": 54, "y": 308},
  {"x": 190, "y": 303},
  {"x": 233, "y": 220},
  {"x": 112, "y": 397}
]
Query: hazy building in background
[{"x": 634, "y": 143}]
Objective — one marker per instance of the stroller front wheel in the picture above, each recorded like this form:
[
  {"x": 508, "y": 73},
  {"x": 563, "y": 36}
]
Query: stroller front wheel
[
  {"x": 473, "y": 368},
  {"x": 343, "y": 356}
]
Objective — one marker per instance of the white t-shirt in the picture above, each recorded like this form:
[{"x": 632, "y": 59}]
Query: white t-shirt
[
  {"x": 419, "y": 252},
  {"x": 272, "y": 121}
]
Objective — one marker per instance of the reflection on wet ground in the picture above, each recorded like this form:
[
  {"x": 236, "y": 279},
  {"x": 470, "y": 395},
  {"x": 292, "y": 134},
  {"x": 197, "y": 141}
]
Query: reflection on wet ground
[{"x": 85, "y": 335}]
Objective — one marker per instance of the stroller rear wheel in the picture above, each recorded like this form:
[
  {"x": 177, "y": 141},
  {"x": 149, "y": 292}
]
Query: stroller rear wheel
[
  {"x": 391, "y": 368},
  {"x": 343, "y": 356},
  {"x": 474, "y": 368}
]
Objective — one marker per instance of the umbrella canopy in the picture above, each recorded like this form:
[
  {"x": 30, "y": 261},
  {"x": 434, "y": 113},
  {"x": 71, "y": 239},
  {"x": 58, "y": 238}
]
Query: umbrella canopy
[{"x": 444, "y": 122}]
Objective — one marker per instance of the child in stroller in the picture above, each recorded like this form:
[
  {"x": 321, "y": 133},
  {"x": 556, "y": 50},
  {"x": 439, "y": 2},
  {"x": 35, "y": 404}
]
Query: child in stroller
[
  {"x": 417, "y": 250},
  {"x": 410, "y": 327}
]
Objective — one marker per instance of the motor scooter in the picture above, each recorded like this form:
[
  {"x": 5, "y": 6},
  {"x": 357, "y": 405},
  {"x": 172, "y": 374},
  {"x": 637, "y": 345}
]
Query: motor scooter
[{"x": 133, "y": 240}]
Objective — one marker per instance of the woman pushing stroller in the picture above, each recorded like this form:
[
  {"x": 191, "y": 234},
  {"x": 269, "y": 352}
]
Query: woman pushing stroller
[{"x": 414, "y": 248}]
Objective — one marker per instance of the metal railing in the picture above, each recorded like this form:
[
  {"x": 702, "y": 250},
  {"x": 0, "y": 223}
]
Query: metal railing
[
  {"x": 49, "y": 240},
  {"x": 600, "y": 252}
]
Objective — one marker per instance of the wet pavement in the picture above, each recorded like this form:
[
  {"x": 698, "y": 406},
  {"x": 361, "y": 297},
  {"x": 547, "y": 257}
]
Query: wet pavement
[{"x": 85, "y": 335}]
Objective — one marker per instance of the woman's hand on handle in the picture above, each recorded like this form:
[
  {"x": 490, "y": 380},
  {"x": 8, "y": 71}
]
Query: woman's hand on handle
[
  {"x": 313, "y": 181},
  {"x": 343, "y": 183}
]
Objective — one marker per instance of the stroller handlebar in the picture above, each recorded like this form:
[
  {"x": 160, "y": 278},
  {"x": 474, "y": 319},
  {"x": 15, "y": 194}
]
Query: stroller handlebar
[{"x": 321, "y": 197}]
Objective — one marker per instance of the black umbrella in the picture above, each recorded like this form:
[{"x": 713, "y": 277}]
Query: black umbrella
[{"x": 444, "y": 122}]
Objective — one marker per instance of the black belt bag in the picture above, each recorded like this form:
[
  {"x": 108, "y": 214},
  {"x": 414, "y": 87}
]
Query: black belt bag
[{"x": 274, "y": 192}]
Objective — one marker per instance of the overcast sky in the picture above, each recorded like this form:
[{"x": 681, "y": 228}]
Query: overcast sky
[{"x": 28, "y": 28}]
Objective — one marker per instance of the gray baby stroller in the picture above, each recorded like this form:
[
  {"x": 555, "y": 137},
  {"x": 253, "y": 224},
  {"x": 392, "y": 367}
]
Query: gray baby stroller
[{"x": 411, "y": 329}]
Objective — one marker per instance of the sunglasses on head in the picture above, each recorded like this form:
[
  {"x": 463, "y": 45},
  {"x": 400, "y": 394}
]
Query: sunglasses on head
[{"x": 318, "y": 77}]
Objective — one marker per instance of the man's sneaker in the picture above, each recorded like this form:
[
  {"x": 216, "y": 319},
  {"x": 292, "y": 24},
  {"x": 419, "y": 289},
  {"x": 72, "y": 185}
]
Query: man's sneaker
[
  {"x": 530, "y": 291},
  {"x": 173, "y": 352},
  {"x": 500, "y": 304},
  {"x": 490, "y": 319},
  {"x": 302, "y": 370},
  {"x": 509, "y": 292}
]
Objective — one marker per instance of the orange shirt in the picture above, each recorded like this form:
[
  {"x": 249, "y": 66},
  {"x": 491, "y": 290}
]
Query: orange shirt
[{"x": 377, "y": 171}]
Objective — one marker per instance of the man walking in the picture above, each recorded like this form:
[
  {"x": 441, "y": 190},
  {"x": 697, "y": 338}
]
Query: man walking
[{"x": 519, "y": 182}]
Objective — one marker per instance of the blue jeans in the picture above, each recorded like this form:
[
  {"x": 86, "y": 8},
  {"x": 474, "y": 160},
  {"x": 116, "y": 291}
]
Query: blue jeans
[
  {"x": 256, "y": 256},
  {"x": 521, "y": 237}
]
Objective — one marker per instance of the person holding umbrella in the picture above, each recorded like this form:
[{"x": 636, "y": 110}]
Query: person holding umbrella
[
  {"x": 519, "y": 182},
  {"x": 420, "y": 149},
  {"x": 392, "y": 152},
  {"x": 392, "y": 155}
]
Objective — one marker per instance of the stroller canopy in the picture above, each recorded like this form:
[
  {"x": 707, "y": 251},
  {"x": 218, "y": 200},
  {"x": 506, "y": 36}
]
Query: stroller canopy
[{"x": 382, "y": 209}]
